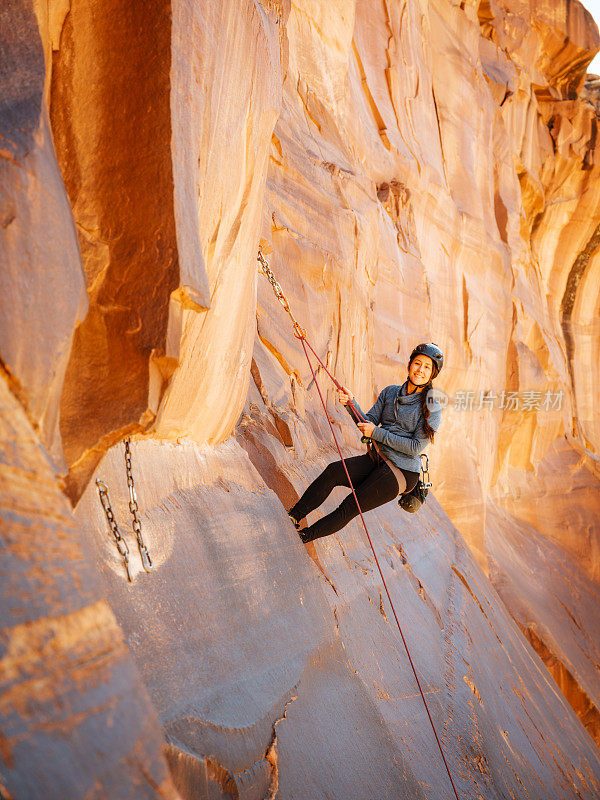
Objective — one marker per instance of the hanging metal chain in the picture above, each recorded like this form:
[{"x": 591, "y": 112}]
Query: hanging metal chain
[
  {"x": 299, "y": 332},
  {"x": 112, "y": 524},
  {"x": 134, "y": 508}
]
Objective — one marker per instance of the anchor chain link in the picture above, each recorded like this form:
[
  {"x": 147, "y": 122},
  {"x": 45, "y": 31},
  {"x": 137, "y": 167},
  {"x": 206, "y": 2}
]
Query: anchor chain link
[
  {"x": 122, "y": 546},
  {"x": 120, "y": 542},
  {"x": 299, "y": 331},
  {"x": 134, "y": 508}
]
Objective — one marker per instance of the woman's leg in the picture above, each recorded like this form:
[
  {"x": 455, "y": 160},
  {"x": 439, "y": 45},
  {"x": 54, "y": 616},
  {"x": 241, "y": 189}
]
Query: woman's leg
[
  {"x": 379, "y": 487},
  {"x": 333, "y": 475},
  {"x": 411, "y": 479}
]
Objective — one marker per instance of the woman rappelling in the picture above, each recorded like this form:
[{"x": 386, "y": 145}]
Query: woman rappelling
[{"x": 398, "y": 427}]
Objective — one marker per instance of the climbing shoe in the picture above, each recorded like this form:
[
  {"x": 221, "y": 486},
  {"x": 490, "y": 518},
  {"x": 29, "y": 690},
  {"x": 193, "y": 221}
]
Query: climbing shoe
[
  {"x": 295, "y": 522},
  {"x": 296, "y": 525},
  {"x": 303, "y": 537}
]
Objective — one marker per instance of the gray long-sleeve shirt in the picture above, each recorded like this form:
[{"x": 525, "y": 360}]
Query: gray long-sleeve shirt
[{"x": 399, "y": 421}]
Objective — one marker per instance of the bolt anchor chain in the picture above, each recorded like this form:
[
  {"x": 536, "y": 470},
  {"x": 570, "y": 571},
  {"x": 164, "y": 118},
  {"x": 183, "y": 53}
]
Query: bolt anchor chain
[
  {"x": 299, "y": 331},
  {"x": 134, "y": 508},
  {"x": 120, "y": 542}
]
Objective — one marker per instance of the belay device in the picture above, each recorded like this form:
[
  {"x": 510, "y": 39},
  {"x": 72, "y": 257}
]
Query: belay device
[{"x": 413, "y": 500}]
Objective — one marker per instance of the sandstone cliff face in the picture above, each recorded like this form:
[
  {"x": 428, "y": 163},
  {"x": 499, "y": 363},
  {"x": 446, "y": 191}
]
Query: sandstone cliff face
[
  {"x": 416, "y": 171},
  {"x": 76, "y": 719}
]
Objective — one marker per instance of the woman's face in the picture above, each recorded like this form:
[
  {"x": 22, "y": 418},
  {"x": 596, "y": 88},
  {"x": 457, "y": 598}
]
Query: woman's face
[{"x": 420, "y": 370}]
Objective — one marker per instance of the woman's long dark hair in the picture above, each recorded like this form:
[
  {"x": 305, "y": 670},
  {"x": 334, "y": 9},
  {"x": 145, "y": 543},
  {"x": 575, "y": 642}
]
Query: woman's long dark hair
[{"x": 429, "y": 431}]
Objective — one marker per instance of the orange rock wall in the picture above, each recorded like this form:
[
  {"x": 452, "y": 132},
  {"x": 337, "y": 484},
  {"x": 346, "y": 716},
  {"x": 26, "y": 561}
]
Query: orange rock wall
[
  {"x": 76, "y": 720},
  {"x": 416, "y": 171},
  {"x": 112, "y": 132}
]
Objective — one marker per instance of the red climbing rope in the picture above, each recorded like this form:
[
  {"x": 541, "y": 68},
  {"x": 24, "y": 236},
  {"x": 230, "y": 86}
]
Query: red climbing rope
[{"x": 300, "y": 334}]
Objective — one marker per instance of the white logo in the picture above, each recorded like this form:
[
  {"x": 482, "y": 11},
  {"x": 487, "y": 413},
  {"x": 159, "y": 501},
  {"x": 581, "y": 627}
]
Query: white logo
[{"x": 435, "y": 396}]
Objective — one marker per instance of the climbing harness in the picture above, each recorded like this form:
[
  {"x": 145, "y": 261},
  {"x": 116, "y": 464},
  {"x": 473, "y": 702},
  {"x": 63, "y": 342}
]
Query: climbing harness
[
  {"x": 122, "y": 546},
  {"x": 300, "y": 334},
  {"x": 413, "y": 500}
]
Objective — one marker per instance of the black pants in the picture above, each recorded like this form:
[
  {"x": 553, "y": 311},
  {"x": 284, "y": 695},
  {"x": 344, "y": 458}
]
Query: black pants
[{"x": 374, "y": 483}]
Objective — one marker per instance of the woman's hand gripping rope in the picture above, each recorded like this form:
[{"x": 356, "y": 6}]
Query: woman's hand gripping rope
[{"x": 345, "y": 396}]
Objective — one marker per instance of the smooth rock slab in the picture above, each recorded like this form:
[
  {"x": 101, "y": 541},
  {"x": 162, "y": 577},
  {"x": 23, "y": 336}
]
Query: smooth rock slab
[{"x": 75, "y": 720}]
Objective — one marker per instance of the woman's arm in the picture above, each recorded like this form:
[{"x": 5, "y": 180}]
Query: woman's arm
[
  {"x": 373, "y": 414},
  {"x": 409, "y": 444}
]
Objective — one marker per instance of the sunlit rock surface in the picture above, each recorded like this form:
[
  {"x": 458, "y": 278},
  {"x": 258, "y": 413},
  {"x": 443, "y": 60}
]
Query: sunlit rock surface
[
  {"x": 414, "y": 172},
  {"x": 42, "y": 290},
  {"x": 275, "y": 674},
  {"x": 76, "y": 721}
]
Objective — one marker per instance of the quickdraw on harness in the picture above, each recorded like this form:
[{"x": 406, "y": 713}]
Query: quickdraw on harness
[
  {"x": 120, "y": 542},
  {"x": 300, "y": 334}
]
